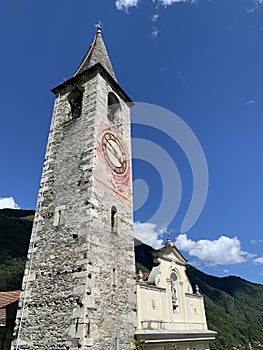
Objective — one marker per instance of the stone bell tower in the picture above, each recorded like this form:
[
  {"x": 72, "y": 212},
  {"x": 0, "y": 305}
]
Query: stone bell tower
[{"x": 78, "y": 289}]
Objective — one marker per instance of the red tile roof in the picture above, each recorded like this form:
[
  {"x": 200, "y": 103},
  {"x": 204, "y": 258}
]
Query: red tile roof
[
  {"x": 8, "y": 297},
  {"x": 8, "y": 307},
  {"x": 145, "y": 276}
]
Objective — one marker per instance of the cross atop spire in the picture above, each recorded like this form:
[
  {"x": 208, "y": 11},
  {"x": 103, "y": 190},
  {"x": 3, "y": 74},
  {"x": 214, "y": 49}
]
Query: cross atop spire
[
  {"x": 97, "y": 53},
  {"x": 99, "y": 26}
]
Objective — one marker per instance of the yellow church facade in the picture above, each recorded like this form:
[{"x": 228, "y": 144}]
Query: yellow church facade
[{"x": 169, "y": 314}]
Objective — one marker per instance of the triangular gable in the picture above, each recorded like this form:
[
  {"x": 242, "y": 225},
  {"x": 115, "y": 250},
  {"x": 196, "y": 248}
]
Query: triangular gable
[{"x": 170, "y": 252}]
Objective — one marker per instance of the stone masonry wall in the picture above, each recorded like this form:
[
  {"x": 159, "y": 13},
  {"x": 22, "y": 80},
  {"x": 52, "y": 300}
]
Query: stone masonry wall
[{"x": 78, "y": 287}]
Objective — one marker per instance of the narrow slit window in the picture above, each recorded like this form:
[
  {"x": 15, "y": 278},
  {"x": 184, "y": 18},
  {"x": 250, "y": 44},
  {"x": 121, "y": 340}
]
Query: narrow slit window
[
  {"x": 57, "y": 217},
  {"x": 88, "y": 328},
  {"x": 114, "y": 277},
  {"x": 116, "y": 344},
  {"x": 113, "y": 219},
  {"x": 77, "y": 325}
]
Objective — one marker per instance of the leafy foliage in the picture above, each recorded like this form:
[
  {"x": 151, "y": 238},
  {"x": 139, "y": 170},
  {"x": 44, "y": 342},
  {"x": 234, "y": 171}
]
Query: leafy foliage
[
  {"x": 137, "y": 345},
  {"x": 140, "y": 267}
]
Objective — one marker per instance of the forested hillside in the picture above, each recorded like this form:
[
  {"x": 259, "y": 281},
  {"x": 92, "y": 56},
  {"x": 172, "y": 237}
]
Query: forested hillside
[
  {"x": 15, "y": 230},
  {"x": 234, "y": 309}
]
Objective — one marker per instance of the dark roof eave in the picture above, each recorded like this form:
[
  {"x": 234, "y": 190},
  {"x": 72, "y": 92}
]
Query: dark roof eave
[
  {"x": 166, "y": 336},
  {"x": 99, "y": 68}
]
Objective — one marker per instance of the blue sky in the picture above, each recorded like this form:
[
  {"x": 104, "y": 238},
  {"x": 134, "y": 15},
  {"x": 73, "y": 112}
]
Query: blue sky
[{"x": 201, "y": 60}]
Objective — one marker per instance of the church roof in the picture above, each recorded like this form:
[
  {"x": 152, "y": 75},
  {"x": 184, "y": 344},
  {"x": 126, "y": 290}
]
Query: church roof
[
  {"x": 97, "y": 53},
  {"x": 8, "y": 307},
  {"x": 144, "y": 276}
]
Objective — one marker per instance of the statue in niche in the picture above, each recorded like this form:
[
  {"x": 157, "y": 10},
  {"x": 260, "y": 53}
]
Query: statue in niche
[{"x": 173, "y": 291}]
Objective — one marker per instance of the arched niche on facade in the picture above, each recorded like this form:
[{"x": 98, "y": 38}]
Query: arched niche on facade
[{"x": 174, "y": 289}]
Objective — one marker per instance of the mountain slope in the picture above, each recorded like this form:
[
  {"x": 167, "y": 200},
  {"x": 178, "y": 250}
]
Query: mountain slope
[{"x": 234, "y": 308}]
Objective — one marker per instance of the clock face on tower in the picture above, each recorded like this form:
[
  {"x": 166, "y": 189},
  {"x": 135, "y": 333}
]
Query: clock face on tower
[{"x": 114, "y": 153}]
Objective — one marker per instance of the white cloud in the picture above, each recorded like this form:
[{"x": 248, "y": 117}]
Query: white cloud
[
  {"x": 171, "y": 2},
  {"x": 149, "y": 234},
  {"x": 223, "y": 251},
  {"x": 256, "y": 3},
  {"x": 155, "y": 17},
  {"x": 124, "y": 5},
  {"x": 181, "y": 78},
  {"x": 250, "y": 102},
  {"x": 256, "y": 241},
  {"x": 258, "y": 260},
  {"x": 250, "y": 10},
  {"x": 8, "y": 202},
  {"x": 155, "y": 33}
]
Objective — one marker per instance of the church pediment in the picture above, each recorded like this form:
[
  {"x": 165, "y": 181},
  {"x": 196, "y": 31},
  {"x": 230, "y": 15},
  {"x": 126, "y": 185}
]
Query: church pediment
[{"x": 169, "y": 253}]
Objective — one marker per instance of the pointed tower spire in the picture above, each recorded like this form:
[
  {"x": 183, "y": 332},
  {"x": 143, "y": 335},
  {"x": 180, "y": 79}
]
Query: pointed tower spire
[{"x": 97, "y": 53}]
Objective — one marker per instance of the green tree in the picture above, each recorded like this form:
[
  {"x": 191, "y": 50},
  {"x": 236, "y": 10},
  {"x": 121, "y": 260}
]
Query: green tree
[{"x": 137, "y": 345}]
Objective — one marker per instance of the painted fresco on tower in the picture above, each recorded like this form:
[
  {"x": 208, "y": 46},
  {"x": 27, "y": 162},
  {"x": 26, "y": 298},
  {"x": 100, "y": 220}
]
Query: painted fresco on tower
[{"x": 113, "y": 167}]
